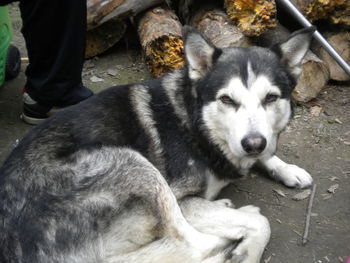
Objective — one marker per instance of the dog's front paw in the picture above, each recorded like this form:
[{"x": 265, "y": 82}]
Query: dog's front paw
[{"x": 294, "y": 176}]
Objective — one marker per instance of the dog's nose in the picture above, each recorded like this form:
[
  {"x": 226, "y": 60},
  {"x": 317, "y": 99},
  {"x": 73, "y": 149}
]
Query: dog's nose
[{"x": 254, "y": 143}]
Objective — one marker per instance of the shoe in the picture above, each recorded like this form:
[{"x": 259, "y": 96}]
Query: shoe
[{"x": 34, "y": 113}]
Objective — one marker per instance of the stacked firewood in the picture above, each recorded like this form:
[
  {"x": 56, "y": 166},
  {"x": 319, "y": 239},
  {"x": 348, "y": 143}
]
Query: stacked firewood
[{"x": 226, "y": 23}]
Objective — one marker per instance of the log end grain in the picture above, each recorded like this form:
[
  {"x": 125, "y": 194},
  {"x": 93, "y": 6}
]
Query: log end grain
[
  {"x": 313, "y": 79},
  {"x": 253, "y": 17},
  {"x": 341, "y": 43},
  {"x": 165, "y": 54},
  {"x": 341, "y": 16},
  {"x": 160, "y": 35},
  {"x": 319, "y": 9}
]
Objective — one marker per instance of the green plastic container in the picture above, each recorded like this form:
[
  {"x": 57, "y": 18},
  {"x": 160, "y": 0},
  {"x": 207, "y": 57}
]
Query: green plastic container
[
  {"x": 5, "y": 40},
  {"x": 10, "y": 58}
]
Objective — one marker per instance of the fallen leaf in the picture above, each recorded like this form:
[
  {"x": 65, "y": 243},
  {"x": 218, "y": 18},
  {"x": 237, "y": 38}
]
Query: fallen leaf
[
  {"x": 337, "y": 121},
  {"x": 267, "y": 260},
  {"x": 279, "y": 192},
  {"x": 334, "y": 120},
  {"x": 333, "y": 188},
  {"x": 96, "y": 79},
  {"x": 302, "y": 195},
  {"x": 333, "y": 178},
  {"x": 326, "y": 196}
]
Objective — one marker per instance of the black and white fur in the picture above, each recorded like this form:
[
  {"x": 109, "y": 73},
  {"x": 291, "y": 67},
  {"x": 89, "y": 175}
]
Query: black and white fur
[{"x": 130, "y": 174}]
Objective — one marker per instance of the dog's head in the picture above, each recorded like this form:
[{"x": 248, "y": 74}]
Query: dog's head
[{"x": 244, "y": 93}]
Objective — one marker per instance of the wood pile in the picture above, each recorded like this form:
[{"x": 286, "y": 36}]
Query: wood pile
[{"x": 226, "y": 23}]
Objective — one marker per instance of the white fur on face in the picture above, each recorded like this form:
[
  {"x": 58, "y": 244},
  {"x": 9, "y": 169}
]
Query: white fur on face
[{"x": 228, "y": 124}]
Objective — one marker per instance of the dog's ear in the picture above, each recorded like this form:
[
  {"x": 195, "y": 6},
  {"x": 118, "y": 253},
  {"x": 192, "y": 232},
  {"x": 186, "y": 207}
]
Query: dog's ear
[
  {"x": 200, "y": 53},
  {"x": 294, "y": 49}
]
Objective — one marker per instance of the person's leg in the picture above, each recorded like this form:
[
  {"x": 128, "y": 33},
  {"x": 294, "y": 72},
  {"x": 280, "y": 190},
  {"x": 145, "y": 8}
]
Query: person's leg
[{"x": 55, "y": 34}]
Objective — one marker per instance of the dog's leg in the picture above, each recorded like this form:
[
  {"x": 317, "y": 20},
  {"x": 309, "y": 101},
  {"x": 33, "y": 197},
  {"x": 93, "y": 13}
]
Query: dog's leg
[
  {"x": 136, "y": 177},
  {"x": 168, "y": 250},
  {"x": 93, "y": 221},
  {"x": 245, "y": 224},
  {"x": 289, "y": 174}
]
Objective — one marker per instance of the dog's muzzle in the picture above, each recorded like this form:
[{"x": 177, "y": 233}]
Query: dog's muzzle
[{"x": 254, "y": 144}]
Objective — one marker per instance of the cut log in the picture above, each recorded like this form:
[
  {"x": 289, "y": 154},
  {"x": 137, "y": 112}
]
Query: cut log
[
  {"x": 219, "y": 29},
  {"x": 101, "y": 38},
  {"x": 341, "y": 16},
  {"x": 315, "y": 72},
  {"x": 341, "y": 43},
  {"x": 160, "y": 35},
  {"x": 253, "y": 17},
  {"x": 318, "y": 9},
  {"x": 313, "y": 79},
  {"x": 336, "y": 11},
  {"x": 100, "y": 11}
]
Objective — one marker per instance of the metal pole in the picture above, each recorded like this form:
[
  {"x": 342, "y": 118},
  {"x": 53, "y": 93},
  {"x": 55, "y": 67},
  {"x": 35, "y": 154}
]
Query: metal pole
[{"x": 328, "y": 47}]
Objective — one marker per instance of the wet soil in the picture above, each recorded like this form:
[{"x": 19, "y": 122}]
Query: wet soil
[{"x": 320, "y": 144}]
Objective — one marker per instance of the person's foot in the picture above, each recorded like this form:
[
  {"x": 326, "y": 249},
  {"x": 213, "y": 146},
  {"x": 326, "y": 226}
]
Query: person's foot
[{"x": 34, "y": 112}]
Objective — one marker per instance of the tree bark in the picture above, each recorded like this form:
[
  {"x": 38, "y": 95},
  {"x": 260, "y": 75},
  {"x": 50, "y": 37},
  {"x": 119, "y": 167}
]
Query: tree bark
[
  {"x": 315, "y": 72},
  {"x": 253, "y": 17},
  {"x": 100, "y": 11},
  {"x": 160, "y": 34},
  {"x": 218, "y": 28},
  {"x": 101, "y": 38}
]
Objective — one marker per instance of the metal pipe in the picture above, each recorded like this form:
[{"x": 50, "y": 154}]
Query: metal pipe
[{"x": 328, "y": 47}]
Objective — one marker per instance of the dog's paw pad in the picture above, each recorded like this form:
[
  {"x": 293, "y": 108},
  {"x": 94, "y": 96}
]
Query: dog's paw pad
[
  {"x": 294, "y": 176},
  {"x": 250, "y": 209},
  {"x": 225, "y": 202}
]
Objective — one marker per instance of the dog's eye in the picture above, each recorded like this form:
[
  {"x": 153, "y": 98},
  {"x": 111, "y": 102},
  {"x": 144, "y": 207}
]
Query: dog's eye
[
  {"x": 227, "y": 100},
  {"x": 270, "y": 98}
]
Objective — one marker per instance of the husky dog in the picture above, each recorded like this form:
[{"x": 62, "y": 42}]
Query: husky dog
[{"x": 130, "y": 175}]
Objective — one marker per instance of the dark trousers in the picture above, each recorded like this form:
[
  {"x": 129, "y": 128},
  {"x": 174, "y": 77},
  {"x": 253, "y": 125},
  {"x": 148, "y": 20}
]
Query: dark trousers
[{"x": 55, "y": 35}]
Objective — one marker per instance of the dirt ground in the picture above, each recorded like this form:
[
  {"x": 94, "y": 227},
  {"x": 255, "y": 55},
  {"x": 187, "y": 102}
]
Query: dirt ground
[{"x": 320, "y": 144}]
